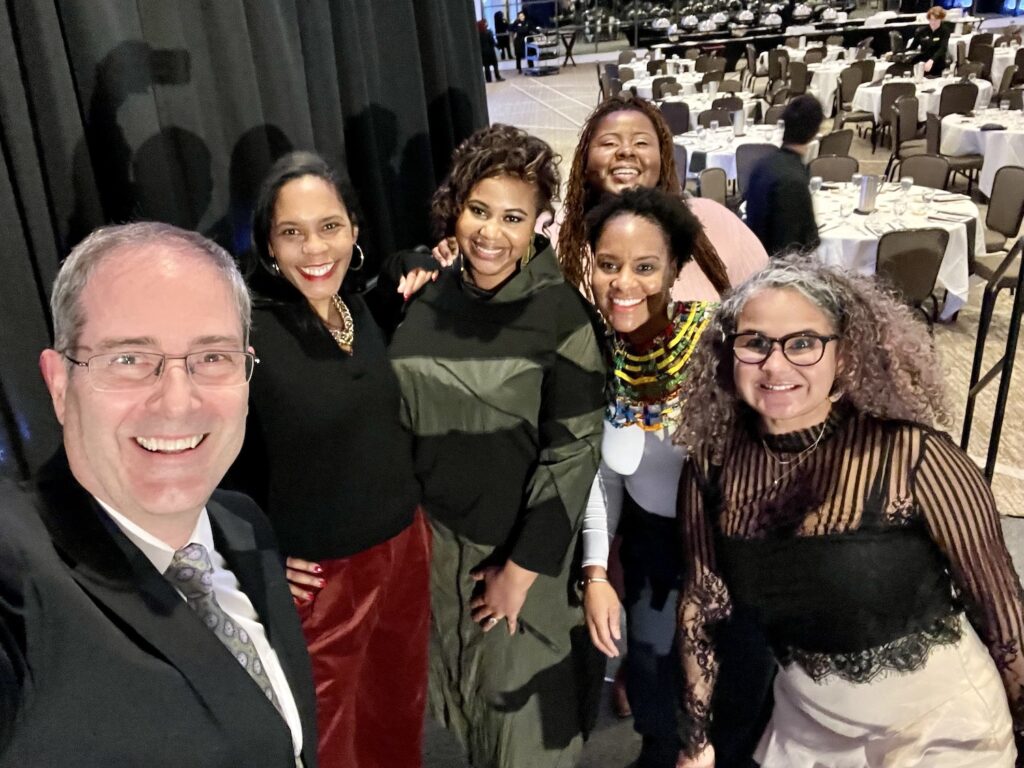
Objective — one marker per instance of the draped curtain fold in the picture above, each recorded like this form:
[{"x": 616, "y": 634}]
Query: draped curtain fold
[{"x": 116, "y": 110}]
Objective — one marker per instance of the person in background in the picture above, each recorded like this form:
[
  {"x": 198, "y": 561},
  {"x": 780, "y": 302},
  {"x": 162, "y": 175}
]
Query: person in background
[
  {"x": 487, "y": 52},
  {"x": 328, "y": 459},
  {"x": 626, "y": 145},
  {"x": 779, "y": 207},
  {"x": 502, "y": 384},
  {"x": 519, "y": 29},
  {"x": 819, "y": 497},
  {"x": 930, "y": 43},
  {"x": 144, "y": 614},
  {"x": 502, "y": 35}
]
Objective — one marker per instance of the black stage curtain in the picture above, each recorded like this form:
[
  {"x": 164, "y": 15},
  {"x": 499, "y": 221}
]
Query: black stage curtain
[{"x": 114, "y": 110}]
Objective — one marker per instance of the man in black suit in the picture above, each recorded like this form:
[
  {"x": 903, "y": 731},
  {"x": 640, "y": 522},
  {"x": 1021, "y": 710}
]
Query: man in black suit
[
  {"x": 779, "y": 208},
  {"x": 145, "y": 619}
]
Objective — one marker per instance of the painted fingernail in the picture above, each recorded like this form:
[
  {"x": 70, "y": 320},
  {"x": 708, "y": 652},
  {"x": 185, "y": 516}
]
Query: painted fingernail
[
  {"x": 317, "y": 569},
  {"x": 321, "y": 582}
]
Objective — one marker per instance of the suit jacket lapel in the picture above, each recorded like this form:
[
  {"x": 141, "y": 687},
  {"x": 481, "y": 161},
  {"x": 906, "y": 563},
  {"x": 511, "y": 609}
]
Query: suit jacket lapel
[
  {"x": 259, "y": 574},
  {"x": 119, "y": 576}
]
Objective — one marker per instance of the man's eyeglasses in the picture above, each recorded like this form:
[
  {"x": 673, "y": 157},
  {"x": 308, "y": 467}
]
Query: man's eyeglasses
[
  {"x": 137, "y": 370},
  {"x": 797, "y": 348}
]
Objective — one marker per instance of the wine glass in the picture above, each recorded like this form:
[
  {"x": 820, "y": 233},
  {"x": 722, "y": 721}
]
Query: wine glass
[
  {"x": 700, "y": 134},
  {"x": 1004, "y": 105},
  {"x": 900, "y": 208},
  {"x": 846, "y": 206},
  {"x": 927, "y": 195},
  {"x": 815, "y": 184},
  {"x": 713, "y": 125},
  {"x": 906, "y": 183}
]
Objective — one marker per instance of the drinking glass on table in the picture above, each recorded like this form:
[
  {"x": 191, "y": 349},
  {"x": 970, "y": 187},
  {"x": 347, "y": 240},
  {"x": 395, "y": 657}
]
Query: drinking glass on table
[
  {"x": 713, "y": 125},
  {"x": 1004, "y": 105},
  {"x": 855, "y": 181},
  {"x": 815, "y": 184},
  {"x": 700, "y": 134},
  {"x": 900, "y": 209},
  {"x": 846, "y": 206},
  {"x": 906, "y": 183}
]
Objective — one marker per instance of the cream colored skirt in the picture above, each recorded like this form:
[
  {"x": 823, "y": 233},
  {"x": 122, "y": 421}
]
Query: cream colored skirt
[{"x": 951, "y": 713}]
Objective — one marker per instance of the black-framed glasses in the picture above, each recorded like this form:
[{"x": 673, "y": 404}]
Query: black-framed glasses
[
  {"x": 798, "y": 348},
  {"x": 115, "y": 371}
]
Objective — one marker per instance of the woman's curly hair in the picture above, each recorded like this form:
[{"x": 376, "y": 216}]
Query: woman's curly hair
[
  {"x": 498, "y": 150},
  {"x": 888, "y": 366},
  {"x": 573, "y": 251}
]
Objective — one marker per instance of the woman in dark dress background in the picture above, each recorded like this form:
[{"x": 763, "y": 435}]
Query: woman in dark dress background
[{"x": 501, "y": 33}]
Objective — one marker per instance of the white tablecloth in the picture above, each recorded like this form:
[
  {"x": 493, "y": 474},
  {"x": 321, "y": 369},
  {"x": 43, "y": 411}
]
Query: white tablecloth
[
  {"x": 869, "y": 97},
  {"x": 825, "y": 79},
  {"x": 832, "y": 53},
  {"x": 853, "y": 242},
  {"x": 719, "y": 147},
  {"x": 689, "y": 81},
  {"x": 963, "y": 136},
  {"x": 698, "y": 102},
  {"x": 1002, "y": 58}
]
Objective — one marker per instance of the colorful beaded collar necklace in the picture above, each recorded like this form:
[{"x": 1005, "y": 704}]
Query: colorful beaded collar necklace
[{"x": 645, "y": 383}]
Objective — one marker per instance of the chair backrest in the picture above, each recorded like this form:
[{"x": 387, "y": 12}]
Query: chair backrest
[
  {"x": 692, "y": 53},
  {"x": 900, "y": 69},
  {"x": 905, "y": 113},
  {"x": 778, "y": 63},
  {"x": 1007, "y": 38},
  {"x": 891, "y": 92},
  {"x": 728, "y": 103},
  {"x": 657, "y": 65},
  {"x": 969, "y": 68},
  {"x": 658, "y": 83},
  {"x": 792, "y": 42},
  {"x": 865, "y": 44},
  {"x": 671, "y": 89},
  {"x": 747, "y": 157},
  {"x": 867, "y": 69},
  {"x": 626, "y": 73},
  {"x": 603, "y": 84},
  {"x": 773, "y": 114},
  {"x": 682, "y": 158},
  {"x": 722, "y": 116},
  {"x": 932, "y": 133},
  {"x": 798, "y": 78},
  {"x": 849, "y": 79},
  {"x": 982, "y": 54},
  {"x": 1006, "y": 82},
  {"x": 836, "y": 143},
  {"x": 730, "y": 85},
  {"x": 612, "y": 70},
  {"x": 835, "y": 168},
  {"x": 982, "y": 38},
  {"x": 711, "y": 76},
  {"x": 961, "y": 54},
  {"x": 958, "y": 98},
  {"x": 1015, "y": 96},
  {"x": 896, "y": 42},
  {"x": 717, "y": 64},
  {"x": 1018, "y": 59},
  {"x": 625, "y": 57},
  {"x": 1006, "y": 206},
  {"x": 909, "y": 261},
  {"x": 815, "y": 55},
  {"x": 614, "y": 86},
  {"x": 677, "y": 115},
  {"x": 751, "y": 59},
  {"x": 713, "y": 184},
  {"x": 926, "y": 170},
  {"x": 834, "y": 40},
  {"x": 780, "y": 97}
]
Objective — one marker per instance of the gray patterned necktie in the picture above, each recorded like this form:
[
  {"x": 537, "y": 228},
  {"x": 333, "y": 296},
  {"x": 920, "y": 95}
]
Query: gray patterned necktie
[{"x": 191, "y": 572}]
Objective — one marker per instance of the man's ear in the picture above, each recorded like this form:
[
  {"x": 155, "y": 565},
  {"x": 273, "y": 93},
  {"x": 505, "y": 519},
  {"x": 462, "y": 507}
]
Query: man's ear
[{"x": 55, "y": 374}]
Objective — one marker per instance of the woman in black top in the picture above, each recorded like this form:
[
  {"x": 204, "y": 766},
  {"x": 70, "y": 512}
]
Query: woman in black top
[
  {"x": 501, "y": 33},
  {"x": 818, "y": 497},
  {"x": 519, "y": 29},
  {"x": 932, "y": 42},
  {"x": 326, "y": 458},
  {"x": 487, "y": 54}
]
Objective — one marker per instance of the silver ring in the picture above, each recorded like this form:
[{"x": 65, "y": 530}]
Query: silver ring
[{"x": 492, "y": 621}]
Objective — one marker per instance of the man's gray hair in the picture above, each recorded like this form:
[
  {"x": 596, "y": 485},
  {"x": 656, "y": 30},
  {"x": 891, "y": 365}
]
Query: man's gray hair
[{"x": 65, "y": 301}]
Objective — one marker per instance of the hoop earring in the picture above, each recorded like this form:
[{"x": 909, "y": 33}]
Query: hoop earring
[{"x": 362, "y": 259}]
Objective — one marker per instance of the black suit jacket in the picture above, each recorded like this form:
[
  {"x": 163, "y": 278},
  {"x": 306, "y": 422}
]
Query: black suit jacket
[
  {"x": 103, "y": 664},
  {"x": 779, "y": 208}
]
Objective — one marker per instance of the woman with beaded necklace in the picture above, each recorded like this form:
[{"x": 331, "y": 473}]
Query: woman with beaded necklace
[
  {"x": 329, "y": 462},
  {"x": 818, "y": 497}
]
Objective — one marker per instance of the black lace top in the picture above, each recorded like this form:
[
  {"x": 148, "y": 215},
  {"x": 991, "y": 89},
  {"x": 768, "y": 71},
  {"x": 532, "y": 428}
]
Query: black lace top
[{"x": 869, "y": 492}]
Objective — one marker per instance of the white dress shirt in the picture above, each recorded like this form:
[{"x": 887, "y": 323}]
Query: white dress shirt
[{"x": 231, "y": 598}]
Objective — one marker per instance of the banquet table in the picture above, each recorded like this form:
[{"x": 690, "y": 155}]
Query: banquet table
[
  {"x": 689, "y": 81},
  {"x": 718, "y": 147},
  {"x": 852, "y": 241},
  {"x": 832, "y": 53},
  {"x": 825, "y": 79},
  {"x": 698, "y": 102},
  {"x": 1002, "y": 57},
  {"x": 962, "y": 135},
  {"x": 868, "y": 96}
]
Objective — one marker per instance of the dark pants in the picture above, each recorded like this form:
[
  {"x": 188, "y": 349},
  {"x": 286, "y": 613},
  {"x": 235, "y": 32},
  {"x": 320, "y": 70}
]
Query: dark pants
[
  {"x": 367, "y": 632},
  {"x": 487, "y": 71},
  {"x": 651, "y": 565}
]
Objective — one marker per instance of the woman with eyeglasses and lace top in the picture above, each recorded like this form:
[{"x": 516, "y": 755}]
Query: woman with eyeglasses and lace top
[{"x": 819, "y": 498}]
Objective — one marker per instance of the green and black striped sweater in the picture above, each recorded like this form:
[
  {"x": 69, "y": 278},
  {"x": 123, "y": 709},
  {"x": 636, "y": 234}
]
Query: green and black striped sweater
[{"x": 504, "y": 396}]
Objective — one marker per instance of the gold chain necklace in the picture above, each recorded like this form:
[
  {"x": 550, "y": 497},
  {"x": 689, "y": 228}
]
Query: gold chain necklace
[
  {"x": 796, "y": 461},
  {"x": 346, "y": 335}
]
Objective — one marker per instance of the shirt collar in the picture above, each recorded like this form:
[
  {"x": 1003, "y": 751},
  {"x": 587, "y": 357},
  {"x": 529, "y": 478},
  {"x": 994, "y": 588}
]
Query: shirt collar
[{"x": 156, "y": 551}]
